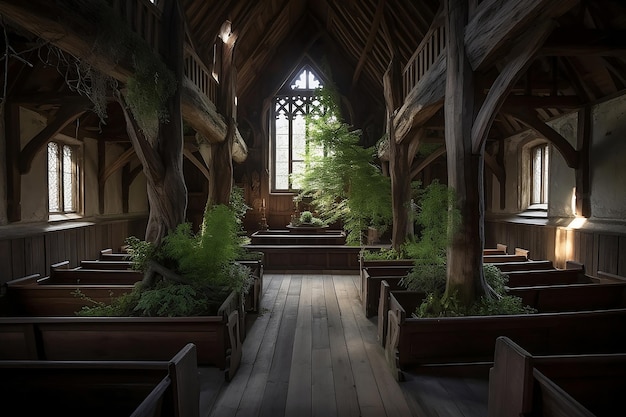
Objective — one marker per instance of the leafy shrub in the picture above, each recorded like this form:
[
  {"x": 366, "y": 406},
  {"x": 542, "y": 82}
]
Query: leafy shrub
[{"x": 205, "y": 264}]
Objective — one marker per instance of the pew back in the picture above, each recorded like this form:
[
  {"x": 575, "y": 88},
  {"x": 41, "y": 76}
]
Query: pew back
[{"x": 103, "y": 388}]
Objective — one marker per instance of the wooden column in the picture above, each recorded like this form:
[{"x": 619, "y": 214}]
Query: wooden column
[
  {"x": 3, "y": 166},
  {"x": 14, "y": 178},
  {"x": 583, "y": 186},
  {"x": 222, "y": 168},
  {"x": 465, "y": 169}
]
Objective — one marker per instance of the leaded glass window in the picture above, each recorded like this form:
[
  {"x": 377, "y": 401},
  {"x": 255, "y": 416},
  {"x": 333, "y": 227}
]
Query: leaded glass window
[
  {"x": 539, "y": 168},
  {"x": 62, "y": 178},
  {"x": 290, "y": 144}
]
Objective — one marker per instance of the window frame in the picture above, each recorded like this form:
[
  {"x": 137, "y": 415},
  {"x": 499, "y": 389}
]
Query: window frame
[
  {"x": 291, "y": 95},
  {"x": 76, "y": 174}
]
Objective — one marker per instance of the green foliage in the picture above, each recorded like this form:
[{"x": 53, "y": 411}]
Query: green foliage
[
  {"x": 438, "y": 303},
  {"x": 206, "y": 263},
  {"x": 140, "y": 252},
  {"x": 345, "y": 183},
  {"x": 438, "y": 219},
  {"x": 151, "y": 84}
]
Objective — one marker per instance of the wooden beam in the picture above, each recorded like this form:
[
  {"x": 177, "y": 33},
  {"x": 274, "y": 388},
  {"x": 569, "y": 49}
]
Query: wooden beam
[
  {"x": 423, "y": 101},
  {"x": 427, "y": 161},
  {"x": 14, "y": 178},
  {"x": 531, "y": 120},
  {"x": 66, "y": 114},
  {"x": 188, "y": 153},
  {"x": 583, "y": 172},
  {"x": 380, "y": 8},
  {"x": 495, "y": 168},
  {"x": 519, "y": 60},
  {"x": 120, "y": 162},
  {"x": 497, "y": 24}
]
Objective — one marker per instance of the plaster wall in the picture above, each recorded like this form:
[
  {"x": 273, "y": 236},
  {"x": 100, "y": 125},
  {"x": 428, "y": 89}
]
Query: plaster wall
[
  {"x": 608, "y": 160},
  {"x": 34, "y": 192},
  {"x": 562, "y": 179}
]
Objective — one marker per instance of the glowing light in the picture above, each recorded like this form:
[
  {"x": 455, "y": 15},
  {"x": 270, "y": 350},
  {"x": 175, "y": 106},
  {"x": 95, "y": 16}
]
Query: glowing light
[{"x": 577, "y": 223}]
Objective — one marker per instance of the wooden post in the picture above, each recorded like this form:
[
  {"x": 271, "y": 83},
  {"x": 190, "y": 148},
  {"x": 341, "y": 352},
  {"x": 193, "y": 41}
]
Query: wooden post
[
  {"x": 222, "y": 168},
  {"x": 583, "y": 186},
  {"x": 14, "y": 178},
  {"x": 465, "y": 169}
]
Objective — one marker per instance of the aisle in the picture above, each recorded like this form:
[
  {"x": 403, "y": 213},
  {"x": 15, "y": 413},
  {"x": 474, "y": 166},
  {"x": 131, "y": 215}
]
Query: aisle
[{"x": 311, "y": 352}]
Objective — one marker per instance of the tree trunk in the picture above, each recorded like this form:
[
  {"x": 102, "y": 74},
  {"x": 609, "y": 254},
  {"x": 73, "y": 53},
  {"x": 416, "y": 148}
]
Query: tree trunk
[
  {"x": 222, "y": 169},
  {"x": 162, "y": 158},
  {"x": 465, "y": 170},
  {"x": 399, "y": 159}
]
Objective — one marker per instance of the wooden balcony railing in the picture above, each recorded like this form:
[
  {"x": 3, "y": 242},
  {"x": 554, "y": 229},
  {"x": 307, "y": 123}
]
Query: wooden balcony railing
[
  {"x": 425, "y": 55},
  {"x": 200, "y": 75},
  {"x": 144, "y": 18}
]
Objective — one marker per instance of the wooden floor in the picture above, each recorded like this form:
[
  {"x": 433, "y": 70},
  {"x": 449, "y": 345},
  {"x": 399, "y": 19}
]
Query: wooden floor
[{"x": 312, "y": 352}]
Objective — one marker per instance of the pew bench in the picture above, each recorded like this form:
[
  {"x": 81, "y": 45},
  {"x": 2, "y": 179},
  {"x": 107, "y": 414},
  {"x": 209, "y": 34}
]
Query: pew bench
[
  {"x": 372, "y": 276},
  {"x": 500, "y": 249},
  {"x": 521, "y": 383},
  {"x": 103, "y": 388},
  {"x": 572, "y": 297},
  {"x": 547, "y": 277},
  {"x": 100, "y": 264},
  {"x": 92, "y": 276},
  {"x": 30, "y": 296},
  {"x": 216, "y": 338},
  {"x": 108, "y": 255},
  {"x": 529, "y": 265},
  {"x": 413, "y": 343}
]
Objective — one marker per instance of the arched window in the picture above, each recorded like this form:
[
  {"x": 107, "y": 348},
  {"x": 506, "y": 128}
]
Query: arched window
[
  {"x": 539, "y": 162},
  {"x": 62, "y": 179},
  {"x": 290, "y": 145}
]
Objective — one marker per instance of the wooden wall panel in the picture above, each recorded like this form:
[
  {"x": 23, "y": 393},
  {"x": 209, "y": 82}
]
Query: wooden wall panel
[
  {"x": 35, "y": 252},
  {"x": 6, "y": 262},
  {"x": 621, "y": 262},
  {"x": 608, "y": 253}
]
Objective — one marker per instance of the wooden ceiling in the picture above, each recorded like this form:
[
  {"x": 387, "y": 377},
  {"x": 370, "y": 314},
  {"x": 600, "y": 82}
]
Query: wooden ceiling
[{"x": 355, "y": 31}]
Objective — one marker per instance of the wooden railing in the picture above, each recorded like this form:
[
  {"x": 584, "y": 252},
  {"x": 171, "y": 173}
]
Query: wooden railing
[
  {"x": 200, "y": 75},
  {"x": 425, "y": 55},
  {"x": 144, "y": 18}
]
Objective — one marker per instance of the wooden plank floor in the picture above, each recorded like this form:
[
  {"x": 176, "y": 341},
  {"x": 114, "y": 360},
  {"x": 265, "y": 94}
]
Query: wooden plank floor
[{"x": 312, "y": 352}]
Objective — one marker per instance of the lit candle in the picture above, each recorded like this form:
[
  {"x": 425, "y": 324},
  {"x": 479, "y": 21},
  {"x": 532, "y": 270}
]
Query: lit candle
[{"x": 263, "y": 205}]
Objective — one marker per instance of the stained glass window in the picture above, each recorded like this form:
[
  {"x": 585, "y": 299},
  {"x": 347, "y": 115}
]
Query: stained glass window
[{"x": 289, "y": 127}]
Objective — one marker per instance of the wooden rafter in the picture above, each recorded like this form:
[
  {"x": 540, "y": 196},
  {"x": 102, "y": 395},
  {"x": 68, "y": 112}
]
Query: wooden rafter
[{"x": 380, "y": 8}]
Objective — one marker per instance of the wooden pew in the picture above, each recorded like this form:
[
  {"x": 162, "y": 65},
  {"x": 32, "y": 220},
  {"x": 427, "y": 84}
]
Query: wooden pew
[
  {"x": 27, "y": 296},
  {"x": 604, "y": 277},
  {"x": 521, "y": 383},
  {"x": 253, "y": 298},
  {"x": 500, "y": 249},
  {"x": 547, "y": 277},
  {"x": 415, "y": 298},
  {"x": 524, "y": 265},
  {"x": 413, "y": 343},
  {"x": 103, "y": 388},
  {"x": 494, "y": 259},
  {"x": 109, "y": 255},
  {"x": 572, "y": 297},
  {"x": 100, "y": 264},
  {"x": 216, "y": 338},
  {"x": 92, "y": 276},
  {"x": 372, "y": 276}
]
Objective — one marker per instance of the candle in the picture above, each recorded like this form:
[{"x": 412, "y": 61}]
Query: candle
[{"x": 263, "y": 205}]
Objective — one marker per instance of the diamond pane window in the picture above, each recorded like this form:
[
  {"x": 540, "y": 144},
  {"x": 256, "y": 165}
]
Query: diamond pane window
[
  {"x": 290, "y": 145},
  {"x": 53, "y": 177}
]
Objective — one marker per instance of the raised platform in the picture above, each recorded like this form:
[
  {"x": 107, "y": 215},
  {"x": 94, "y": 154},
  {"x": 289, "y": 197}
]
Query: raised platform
[
  {"x": 299, "y": 236},
  {"x": 309, "y": 257}
]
